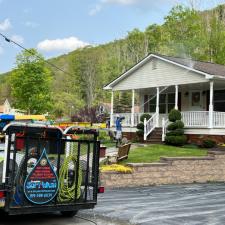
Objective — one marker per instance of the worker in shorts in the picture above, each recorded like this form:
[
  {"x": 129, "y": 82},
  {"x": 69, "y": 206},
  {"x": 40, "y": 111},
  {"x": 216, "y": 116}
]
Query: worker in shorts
[{"x": 118, "y": 129}]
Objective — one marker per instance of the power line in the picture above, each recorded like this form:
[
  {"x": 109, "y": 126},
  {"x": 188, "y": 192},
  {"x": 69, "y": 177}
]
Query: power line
[{"x": 27, "y": 50}]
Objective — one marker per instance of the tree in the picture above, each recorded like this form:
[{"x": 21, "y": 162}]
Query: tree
[{"x": 30, "y": 83}]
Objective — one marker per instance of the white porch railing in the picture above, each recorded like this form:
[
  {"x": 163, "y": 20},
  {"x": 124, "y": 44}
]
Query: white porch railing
[
  {"x": 150, "y": 125},
  {"x": 194, "y": 119},
  {"x": 219, "y": 119},
  {"x": 191, "y": 119},
  {"x": 128, "y": 119}
]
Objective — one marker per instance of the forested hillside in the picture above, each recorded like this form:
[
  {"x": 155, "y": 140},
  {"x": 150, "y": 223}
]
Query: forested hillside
[{"x": 185, "y": 33}]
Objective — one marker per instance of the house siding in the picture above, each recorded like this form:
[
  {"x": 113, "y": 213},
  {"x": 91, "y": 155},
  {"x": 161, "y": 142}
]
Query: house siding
[{"x": 158, "y": 74}]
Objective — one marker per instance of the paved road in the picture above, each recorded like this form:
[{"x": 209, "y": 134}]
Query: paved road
[
  {"x": 166, "y": 205},
  {"x": 52, "y": 219}
]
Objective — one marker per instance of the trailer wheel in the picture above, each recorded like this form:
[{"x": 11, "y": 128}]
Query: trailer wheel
[{"x": 69, "y": 213}]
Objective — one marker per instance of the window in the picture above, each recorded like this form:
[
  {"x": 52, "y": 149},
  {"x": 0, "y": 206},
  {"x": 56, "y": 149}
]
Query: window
[
  {"x": 171, "y": 101},
  {"x": 162, "y": 103},
  {"x": 219, "y": 100},
  {"x": 166, "y": 103}
]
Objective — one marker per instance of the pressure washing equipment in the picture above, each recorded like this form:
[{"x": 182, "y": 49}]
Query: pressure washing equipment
[{"x": 45, "y": 171}]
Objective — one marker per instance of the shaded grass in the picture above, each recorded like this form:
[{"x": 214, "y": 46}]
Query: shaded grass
[{"x": 152, "y": 153}]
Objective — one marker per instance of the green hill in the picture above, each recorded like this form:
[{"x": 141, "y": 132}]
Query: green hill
[{"x": 185, "y": 33}]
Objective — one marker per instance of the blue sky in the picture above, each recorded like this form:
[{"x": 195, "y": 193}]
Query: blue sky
[{"x": 56, "y": 27}]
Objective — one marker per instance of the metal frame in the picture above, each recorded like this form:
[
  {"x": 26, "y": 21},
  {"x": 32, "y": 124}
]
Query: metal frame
[{"x": 60, "y": 140}]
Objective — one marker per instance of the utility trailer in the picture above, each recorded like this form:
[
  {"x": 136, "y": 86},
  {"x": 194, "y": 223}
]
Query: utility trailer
[{"x": 46, "y": 170}]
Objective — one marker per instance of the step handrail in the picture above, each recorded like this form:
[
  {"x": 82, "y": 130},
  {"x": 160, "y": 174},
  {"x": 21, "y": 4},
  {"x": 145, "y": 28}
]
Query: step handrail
[
  {"x": 165, "y": 123},
  {"x": 150, "y": 125}
]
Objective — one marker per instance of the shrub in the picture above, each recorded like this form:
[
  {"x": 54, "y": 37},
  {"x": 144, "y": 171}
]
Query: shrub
[
  {"x": 140, "y": 126},
  {"x": 175, "y": 136},
  {"x": 172, "y": 126},
  {"x": 103, "y": 136},
  {"x": 145, "y": 115},
  {"x": 176, "y": 140},
  {"x": 208, "y": 143},
  {"x": 140, "y": 133},
  {"x": 176, "y": 132},
  {"x": 174, "y": 115},
  {"x": 116, "y": 168},
  {"x": 179, "y": 124}
]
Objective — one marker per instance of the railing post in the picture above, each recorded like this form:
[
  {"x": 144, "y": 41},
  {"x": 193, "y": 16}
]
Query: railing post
[
  {"x": 132, "y": 109},
  {"x": 111, "y": 111},
  {"x": 145, "y": 129},
  {"x": 163, "y": 129},
  {"x": 157, "y": 107},
  {"x": 211, "y": 105},
  {"x": 176, "y": 97}
]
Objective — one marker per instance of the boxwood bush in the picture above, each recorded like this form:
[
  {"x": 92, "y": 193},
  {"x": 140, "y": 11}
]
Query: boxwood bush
[
  {"x": 174, "y": 115},
  {"x": 175, "y": 135}
]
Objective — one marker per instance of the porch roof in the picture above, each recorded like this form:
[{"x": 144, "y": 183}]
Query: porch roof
[{"x": 206, "y": 69}]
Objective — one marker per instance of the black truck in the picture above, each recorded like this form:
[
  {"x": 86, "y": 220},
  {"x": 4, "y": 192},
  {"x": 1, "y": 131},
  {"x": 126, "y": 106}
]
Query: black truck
[{"x": 44, "y": 169}]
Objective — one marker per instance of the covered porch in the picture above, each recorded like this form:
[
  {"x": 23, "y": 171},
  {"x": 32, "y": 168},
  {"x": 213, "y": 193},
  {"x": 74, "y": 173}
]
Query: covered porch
[
  {"x": 202, "y": 105},
  {"x": 160, "y": 83}
]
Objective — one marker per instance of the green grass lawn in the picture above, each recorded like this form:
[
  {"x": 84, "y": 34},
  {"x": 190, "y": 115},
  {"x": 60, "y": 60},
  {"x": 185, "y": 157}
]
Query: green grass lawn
[{"x": 152, "y": 153}]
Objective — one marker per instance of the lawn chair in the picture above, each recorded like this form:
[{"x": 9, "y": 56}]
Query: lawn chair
[{"x": 122, "y": 154}]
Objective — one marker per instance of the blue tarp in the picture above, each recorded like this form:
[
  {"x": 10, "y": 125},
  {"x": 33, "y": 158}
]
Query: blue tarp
[{"x": 7, "y": 117}]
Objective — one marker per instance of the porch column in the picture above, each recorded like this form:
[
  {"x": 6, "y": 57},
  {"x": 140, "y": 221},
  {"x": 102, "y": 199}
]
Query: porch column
[
  {"x": 176, "y": 97},
  {"x": 132, "y": 108},
  {"x": 157, "y": 107},
  {"x": 111, "y": 111},
  {"x": 211, "y": 105}
]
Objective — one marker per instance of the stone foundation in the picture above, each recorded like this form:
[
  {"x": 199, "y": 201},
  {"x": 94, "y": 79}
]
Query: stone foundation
[
  {"x": 198, "y": 138},
  {"x": 177, "y": 170}
]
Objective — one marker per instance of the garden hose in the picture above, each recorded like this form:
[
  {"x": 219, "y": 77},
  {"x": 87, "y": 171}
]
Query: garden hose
[{"x": 67, "y": 189}]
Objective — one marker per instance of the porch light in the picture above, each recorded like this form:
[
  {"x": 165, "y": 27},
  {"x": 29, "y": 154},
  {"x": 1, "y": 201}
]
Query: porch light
[
  {"x": 186, "y": 93},
  {"x": 204, "y": 92}
]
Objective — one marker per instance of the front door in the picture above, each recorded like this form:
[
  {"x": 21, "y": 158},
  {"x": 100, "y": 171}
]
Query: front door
[{"x": 195, "y": 101}]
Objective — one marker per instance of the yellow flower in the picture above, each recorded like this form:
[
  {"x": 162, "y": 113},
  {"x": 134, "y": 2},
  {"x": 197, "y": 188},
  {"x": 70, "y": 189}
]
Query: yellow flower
[{"x": 116, "y": 168}]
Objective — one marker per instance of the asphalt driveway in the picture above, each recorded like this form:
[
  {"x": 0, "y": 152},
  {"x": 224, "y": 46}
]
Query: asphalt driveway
[{"x": 195, "y": 204}]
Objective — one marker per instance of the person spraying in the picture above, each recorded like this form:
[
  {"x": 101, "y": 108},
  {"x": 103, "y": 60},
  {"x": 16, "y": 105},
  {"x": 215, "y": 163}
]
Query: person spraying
[{"x": 118, "y": 129}]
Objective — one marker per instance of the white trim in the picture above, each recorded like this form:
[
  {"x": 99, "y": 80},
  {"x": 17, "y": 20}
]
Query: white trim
[
  {"x": 207, "y": 76},
  {"x": 5, "y": 159},
  {"x": 176, "y": 97},
  {"x": 204, "y": 131},
  {"x": 132, "y": 108},
  {"x": 157, "y": 106},
  {"x": 111, "y": 109},
  {"x": 211, "y": 105}
]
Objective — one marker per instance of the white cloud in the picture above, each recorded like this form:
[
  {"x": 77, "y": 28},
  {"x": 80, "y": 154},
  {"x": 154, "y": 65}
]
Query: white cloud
[
  {"x": 5, "y": 24},
  {"x": 17, "y": 38},
  {"x": 95, "y": 10},
  {"x": 31, "y": 24},
  {"x": 65, "y": 44}
]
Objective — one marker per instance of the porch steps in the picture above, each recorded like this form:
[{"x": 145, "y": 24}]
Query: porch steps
[{"x": 155, "y": 137}]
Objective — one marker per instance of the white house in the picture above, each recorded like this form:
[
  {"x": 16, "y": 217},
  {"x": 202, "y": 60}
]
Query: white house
[
  {"x": 5, "y": 108},
  {"x": 196, "y": 88}
]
